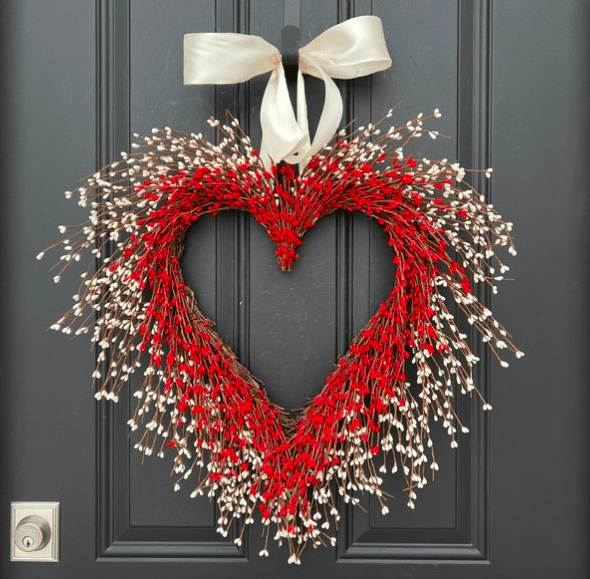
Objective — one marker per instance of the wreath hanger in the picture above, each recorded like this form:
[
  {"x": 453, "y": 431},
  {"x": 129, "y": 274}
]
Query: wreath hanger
[{"x": 290, "y": 39}]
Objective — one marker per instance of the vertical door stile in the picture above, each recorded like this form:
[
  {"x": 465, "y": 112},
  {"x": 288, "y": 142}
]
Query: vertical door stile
[
  {"x": 232, "y": 232},
  {"x": 474, "y": 149},
  {"x": 112, "y": 136}
]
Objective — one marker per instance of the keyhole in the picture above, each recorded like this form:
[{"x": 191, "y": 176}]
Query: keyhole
[{"x": 28, "y": 542}]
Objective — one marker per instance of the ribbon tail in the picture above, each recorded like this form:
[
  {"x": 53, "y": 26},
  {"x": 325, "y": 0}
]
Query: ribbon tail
[
  {"x": 299, "y": 152},
  {"x": 281, "y": 133},
  {"x": 302, "y": 118},
  {"x": 331, "y": 112}
]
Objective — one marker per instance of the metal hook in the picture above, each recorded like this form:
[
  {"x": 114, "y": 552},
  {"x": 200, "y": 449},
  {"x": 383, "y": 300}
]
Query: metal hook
[{"x": 290, "y": 38}]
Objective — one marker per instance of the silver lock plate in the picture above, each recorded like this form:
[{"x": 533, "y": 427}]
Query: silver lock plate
[{"x": 34, "y": 531}]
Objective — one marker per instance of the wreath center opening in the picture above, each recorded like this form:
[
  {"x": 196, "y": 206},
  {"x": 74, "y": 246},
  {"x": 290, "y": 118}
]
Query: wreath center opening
[{"x": 288, "y": 327}]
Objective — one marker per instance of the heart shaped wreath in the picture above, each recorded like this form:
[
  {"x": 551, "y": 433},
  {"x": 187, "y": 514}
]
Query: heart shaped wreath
[{"x": 198, "y": 401}]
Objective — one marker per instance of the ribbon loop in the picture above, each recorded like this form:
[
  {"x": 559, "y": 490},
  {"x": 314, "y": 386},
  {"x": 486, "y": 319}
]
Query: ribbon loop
[
  {"x": 353, "y": 48},
  {"x": 348, "y": 50},
  {"x": 225, "y": 58}
]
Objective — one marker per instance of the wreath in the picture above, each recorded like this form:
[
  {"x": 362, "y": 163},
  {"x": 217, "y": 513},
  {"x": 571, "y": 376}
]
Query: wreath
[{"x": 200, "y": 403}]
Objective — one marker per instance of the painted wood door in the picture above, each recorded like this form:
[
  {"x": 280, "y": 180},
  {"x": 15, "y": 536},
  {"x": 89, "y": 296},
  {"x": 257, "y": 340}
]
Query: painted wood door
[{"x": 512, "y": 81}]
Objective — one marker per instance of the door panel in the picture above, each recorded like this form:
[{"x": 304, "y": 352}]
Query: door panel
[{"x": 511, "y": 501}]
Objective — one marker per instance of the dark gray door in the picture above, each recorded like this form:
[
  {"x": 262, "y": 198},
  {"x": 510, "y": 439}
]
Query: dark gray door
[{"x": 512, "y": 81}]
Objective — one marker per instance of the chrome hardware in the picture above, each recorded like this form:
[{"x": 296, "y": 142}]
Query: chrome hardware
[{"x": 34, "y": 531}]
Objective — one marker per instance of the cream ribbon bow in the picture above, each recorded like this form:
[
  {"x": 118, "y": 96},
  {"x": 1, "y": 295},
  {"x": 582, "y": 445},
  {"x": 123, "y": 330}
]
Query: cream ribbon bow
[{"x": 348, "y": 50}]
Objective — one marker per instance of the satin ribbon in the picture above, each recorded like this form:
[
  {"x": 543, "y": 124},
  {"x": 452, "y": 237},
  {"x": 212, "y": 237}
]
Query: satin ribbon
[{"x": 348, "y": 50}]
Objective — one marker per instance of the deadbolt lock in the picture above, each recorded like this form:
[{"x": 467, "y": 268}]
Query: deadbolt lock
[
  {"x": 35, "y": 531},
  {"x": 32, "y": 533}
]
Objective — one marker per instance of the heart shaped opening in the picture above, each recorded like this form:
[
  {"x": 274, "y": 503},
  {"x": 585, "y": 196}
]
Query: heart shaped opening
[{"x": 289, "y": 328}]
